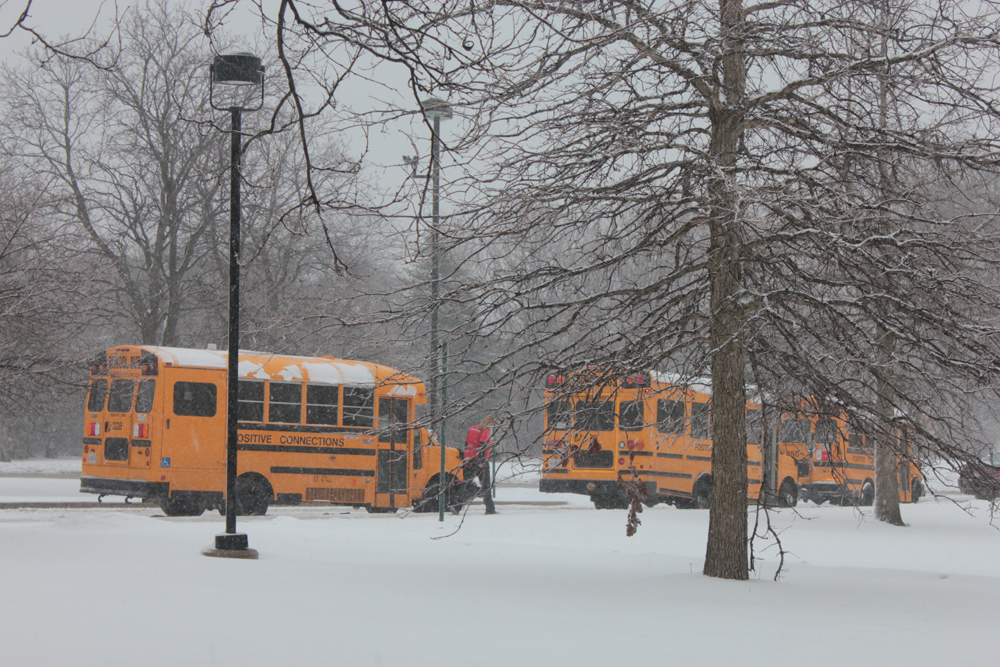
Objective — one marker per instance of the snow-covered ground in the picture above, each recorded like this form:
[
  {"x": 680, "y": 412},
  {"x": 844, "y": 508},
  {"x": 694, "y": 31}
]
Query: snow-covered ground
[{"x": 539, "y": 584}]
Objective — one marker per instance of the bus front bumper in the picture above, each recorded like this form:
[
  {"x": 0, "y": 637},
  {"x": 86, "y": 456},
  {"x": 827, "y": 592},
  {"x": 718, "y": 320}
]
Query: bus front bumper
[{"x": 124, "y": 487}]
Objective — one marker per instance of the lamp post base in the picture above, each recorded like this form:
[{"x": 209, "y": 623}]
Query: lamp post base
[{"x": 231, "y": 545}]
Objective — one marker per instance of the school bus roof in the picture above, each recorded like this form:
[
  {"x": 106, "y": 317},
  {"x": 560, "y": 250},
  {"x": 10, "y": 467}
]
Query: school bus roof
[{"x": 265, "y": 366}]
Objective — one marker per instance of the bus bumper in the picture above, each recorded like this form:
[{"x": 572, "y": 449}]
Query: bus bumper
[
  {"x": 823, "y": 491},
  {"x": 125, "y": 487},
  {"x": 584, "y": 487}
]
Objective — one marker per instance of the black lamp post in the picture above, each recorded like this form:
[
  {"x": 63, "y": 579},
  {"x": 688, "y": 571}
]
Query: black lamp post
[{"x": 234, "y": 69}]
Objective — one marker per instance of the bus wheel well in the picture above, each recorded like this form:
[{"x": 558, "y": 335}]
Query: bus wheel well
[
  {"x": 916, "y": 490},
  {"x": 253, "y": 494}
]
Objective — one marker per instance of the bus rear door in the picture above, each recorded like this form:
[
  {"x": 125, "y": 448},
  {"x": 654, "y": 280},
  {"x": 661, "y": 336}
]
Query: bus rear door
[
  {"x": 141, "y": 419},
  {"x": 118, "y": 420}
]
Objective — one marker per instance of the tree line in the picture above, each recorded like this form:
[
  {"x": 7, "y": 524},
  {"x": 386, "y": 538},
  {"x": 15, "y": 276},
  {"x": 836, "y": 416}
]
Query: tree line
[{"x": 794, "y": 196}]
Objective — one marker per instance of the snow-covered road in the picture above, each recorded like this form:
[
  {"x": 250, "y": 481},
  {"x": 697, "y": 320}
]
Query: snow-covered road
[{"x": 539, "y": 585}]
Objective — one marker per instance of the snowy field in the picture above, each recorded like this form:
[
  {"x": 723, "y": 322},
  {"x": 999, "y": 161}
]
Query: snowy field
[{"x": 539, "y": 584}]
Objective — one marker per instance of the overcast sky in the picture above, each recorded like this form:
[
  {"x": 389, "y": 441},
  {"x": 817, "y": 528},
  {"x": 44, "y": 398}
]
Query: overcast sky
[{"x": 60, "y": 19}]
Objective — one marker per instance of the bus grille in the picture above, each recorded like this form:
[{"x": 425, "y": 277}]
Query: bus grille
[{"x": 336, "y": 495}]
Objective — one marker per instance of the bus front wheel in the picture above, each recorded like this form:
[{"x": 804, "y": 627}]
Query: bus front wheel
[
  {"x": 253, "y": 495},
  {"x": 788, "y": 494},
  {"x": 867, "y": 494},
  {"x": 916, "y": 492},
  {"x": 702, "y": 499}
]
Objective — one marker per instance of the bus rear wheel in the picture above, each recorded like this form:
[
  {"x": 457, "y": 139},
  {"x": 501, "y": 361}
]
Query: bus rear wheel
[
  {"x": 788, "y": 494},
  {"x": 916, "y": 492},
  {"x": 181, "y": 506},
  {"x": 253, "y": 495}
]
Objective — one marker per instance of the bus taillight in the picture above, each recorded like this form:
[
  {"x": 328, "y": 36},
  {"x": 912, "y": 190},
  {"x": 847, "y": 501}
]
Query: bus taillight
[
  {"x": 94, "y": 429},
  {"x": 140, "y": 431}
]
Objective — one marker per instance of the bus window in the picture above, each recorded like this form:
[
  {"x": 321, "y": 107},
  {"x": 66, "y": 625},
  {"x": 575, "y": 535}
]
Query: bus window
[
  {"x": 359, "y": 407},
  {"x": 794, "y": 430},
  {"x": 670, "y": 416},
  {"x": 98, "y": 390},
  {"x": 826, "y": 431},
  {"x": 701, "y": 420},
  {"x": 144, "y": 397},
  {"x": 116, "y": 449},
  {"x": 195, "y": 399},
  {"x": 754, "y": 426},
  {"x": 120, "y": 396},
  {"x": 595, "y": 415},
  {"x": 631, "y": 416},
  {"x": 250, "y": 402},
  {"x": 856, "y": 441},
  {"x": 284, "y": 403},
  {"x": 321, "y": 404},
  {"x": 559, "y": 413},
  {"x": 418, "y": 450},
  {"x": 392, "y": 418}
]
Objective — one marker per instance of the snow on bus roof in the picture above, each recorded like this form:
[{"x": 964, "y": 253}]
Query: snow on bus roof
[
  {"x": 702, "y": 385},
  {"x": 313, "y": 369}
]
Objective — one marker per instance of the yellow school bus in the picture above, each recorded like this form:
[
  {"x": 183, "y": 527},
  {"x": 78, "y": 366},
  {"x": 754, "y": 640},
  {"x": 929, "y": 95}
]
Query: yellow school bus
[
  {"x": 648, "y": 420},
  {"x": 836, "y": 463},
  {"x": 310, "y": 429}
]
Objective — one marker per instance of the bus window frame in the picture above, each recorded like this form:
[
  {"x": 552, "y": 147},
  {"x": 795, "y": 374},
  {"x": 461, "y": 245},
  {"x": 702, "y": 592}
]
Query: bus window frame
[
  {"x": 283, "y": 405},
  {"x": 641, "y": 417},
  {"x": 244, "y": 402},
  {"x": 681, "y": 427},
  {"x": 214, "y": 391},
  {"x": 97, "y": 382},
  {"x": 144, "y": 403},
  {"x": 315, "y": 408},
  {"x": 116, "y": 399}
]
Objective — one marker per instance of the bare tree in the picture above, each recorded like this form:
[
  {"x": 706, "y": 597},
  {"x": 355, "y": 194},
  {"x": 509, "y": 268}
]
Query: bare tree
[
  {"x": 126, "y": 163},
  {"x": 732, "y": 180},
  {"x": 51, "y": 308}
]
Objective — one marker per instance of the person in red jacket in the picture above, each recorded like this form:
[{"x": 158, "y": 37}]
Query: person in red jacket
[{"x": 478, "y": 447}]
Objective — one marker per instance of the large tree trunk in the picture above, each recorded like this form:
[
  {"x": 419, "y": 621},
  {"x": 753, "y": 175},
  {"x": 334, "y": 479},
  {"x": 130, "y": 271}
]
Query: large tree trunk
[
  {"x": 886, "y": 482},
  {"x": 726, "y": 554}
]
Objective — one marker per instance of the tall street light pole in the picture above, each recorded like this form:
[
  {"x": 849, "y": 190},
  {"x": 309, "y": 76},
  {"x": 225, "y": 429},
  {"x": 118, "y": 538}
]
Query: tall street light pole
[
  {"x": 234, "y": 69},
  {"x": 436, "y": 109}
]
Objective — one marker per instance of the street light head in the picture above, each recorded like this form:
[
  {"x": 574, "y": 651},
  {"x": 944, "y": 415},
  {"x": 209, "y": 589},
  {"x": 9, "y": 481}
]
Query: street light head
[
  {"x": 237, "y": 69},
  {"x": 434, "y": 107}
]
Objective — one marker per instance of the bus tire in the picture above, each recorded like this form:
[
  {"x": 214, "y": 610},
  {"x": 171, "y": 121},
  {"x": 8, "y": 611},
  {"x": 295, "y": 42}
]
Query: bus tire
[
  {"x": 429, "y": 501},
  {"x": 181, "y": 506},
  {"x": 611, "y": 501},
  {"x": 917, "y": 490},
  {"x": 702, "y": 497},
  {"x": 253, "y": 494},
  {"x": 788, "y": 494},
  {"x": 867, "y": 498}
]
